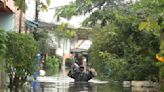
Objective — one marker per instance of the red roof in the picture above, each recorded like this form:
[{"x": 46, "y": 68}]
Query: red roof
[{"x": 5, "y": 9}]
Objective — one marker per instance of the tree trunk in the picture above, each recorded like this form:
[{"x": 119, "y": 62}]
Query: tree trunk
[
  {"x": 11, "y": 85},
  {"x": 63, "y": 65},
  {"x": 162, "y": 79},
  {"x": 20, "y": 21},
  {"x": 36, "y": 12},
  {"x": 16, "y": 84}
]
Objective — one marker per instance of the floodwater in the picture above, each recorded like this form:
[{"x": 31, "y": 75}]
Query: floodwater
[
  {"x": 66, "y": 84},
  {"x": 62, "y": 83},
  {"x": 82, "y": 87}
]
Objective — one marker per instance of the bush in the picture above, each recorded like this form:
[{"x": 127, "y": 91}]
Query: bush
[
  {"x": 68, "y": 62},
  {"x": 21, "y": 50},
  {"x": 3, "y": 39},
  {"x": 52, "y": 65}
]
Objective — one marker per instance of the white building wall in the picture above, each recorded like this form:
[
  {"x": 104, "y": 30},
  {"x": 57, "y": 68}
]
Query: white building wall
[
  {"x": 7, "y": 21},
  {"x": 63, "y": 47}
]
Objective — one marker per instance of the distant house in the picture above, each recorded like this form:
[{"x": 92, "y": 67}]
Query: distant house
[{"x": 63, "y": 47}]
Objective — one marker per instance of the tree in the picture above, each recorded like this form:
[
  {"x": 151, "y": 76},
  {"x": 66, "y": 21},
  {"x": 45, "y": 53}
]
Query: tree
[
  {"x": 153, "y": 18},
  {"x": 119, "y": 57},
  {"x": 124, "y": 21},
  {"x": 98, "y": 10},
  {"x": 21, "y": 50}
]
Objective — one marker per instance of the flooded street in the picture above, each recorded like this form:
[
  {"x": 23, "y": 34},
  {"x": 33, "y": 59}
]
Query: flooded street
[
  {"x": 81, "y": 87},
  {"x": 66, "y": 84}
]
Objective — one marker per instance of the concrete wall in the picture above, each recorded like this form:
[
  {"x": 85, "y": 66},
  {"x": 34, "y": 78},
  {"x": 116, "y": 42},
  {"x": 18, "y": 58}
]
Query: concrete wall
[
  {"x": 63, "y": 46},
  {"x": 6, "y": 21},
  {"x": 11, "y": 21},
  {"x": 16, "y": 21}
]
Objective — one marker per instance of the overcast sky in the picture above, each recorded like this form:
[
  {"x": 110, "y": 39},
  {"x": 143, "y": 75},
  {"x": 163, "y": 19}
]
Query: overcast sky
[{"x": 49, "y": 16}]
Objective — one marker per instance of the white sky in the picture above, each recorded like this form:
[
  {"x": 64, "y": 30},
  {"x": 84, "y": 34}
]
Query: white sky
[{"x": 49, "y": 16}]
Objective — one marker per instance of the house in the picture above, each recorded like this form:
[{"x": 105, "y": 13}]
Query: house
[
  {"x": 7, "y": 16},
  {"x": 10, "y": 16}
]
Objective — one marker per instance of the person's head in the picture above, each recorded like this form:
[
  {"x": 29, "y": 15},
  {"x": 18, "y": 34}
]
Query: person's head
[{"x": 81, "y": 68}]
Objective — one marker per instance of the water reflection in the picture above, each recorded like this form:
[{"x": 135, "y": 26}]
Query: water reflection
[
  {"x": 81, "y": 87},
  {"x": 85, "y": 87}
]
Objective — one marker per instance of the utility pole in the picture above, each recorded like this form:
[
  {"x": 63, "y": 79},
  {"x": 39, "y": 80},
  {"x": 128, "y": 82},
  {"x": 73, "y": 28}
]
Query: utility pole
[
  {"x": 36, "y": 10},
  {"x": 20, "y": 15}
]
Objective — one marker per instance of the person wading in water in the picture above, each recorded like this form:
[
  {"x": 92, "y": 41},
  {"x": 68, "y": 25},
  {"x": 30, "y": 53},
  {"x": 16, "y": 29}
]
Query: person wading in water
[{"x": 79, "y": 75}]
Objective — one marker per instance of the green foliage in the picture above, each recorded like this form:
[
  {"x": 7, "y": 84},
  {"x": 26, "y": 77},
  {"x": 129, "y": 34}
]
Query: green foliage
[
  {"x": 124, "y": 58},
  {"x": 3, "y": 39},
  {"x": 21, "y": 50},
  {"x": 21, "y": 5},
  {"x": 43, "y": 5},
  {"x": 52, "y": 65},
  {"x": 62, "y": 31},
  {"x": 68, "y": 12},
  {"x": 161, "y": 73},
  {"x": 152, "y": 14},
  {"x": 149, "y": 25},
  {"x": 68, "y": 62},
  {"x": 117, "y": 35},
  {"x": 80, "y": 7},
  {"x": 41, "y": 37}
]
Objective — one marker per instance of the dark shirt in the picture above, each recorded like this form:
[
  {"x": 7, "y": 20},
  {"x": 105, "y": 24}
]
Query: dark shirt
[{"x": 81, "y": 76}]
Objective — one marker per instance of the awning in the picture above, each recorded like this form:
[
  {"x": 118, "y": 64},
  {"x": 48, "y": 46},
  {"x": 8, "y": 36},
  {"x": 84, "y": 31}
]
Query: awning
[
  {"x": 78, "y": 50},
  {"x": 5, "y": 9},
  {"x": 82, "y": 46},
  {"x": 31, "y": 23}
]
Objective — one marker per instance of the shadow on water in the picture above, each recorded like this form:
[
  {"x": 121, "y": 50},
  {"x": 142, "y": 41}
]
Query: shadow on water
[{"x": 76, "y": 87}]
